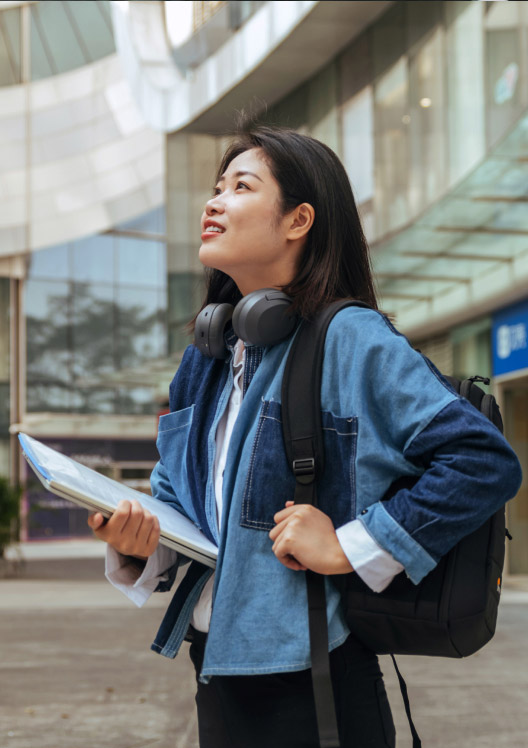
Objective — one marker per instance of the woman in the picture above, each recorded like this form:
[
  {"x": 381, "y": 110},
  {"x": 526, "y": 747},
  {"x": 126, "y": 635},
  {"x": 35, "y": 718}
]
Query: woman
[{"x": 282, "y": 216}]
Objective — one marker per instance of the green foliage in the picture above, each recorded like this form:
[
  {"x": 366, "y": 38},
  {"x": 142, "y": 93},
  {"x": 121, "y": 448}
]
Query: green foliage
[{"x": 9, "y": 513}]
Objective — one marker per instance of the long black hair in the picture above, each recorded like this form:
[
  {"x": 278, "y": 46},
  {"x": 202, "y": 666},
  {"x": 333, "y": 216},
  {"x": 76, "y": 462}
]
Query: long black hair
[{"x": 335, "y": 262}]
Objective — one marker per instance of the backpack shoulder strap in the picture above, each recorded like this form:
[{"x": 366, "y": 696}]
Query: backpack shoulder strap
[
  {"x": 301, "y": 401},
  {"x": 303, "y": 440}
]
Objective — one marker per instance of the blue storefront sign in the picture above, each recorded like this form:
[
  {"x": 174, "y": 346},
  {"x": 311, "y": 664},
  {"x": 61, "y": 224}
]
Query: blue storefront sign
[{"x": 510, "y": 339}]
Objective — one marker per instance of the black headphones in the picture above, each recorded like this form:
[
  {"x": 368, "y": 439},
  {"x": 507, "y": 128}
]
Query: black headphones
[{"x": 260, "y": 318}]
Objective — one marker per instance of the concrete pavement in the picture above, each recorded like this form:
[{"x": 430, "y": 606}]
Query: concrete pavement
[{"x": 76, "y": 671}]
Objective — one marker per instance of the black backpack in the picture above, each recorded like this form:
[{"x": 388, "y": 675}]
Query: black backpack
[{"x": 452, "y": 612}]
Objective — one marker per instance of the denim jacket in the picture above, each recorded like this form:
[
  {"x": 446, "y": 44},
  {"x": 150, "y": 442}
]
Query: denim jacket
[{"x": 386, "y": 413}]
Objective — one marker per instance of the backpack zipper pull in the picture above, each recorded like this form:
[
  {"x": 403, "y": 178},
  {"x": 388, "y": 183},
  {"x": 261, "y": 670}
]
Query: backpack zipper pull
[{"x": 476, "y": 378}]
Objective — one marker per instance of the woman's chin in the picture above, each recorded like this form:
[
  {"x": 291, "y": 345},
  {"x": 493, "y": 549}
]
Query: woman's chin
[
  {"x": 211, "y": 259},
  {"x": 206, "y": 257}
]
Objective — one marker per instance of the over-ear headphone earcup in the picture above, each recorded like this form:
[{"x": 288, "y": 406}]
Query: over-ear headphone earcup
[
  {"x": 209, "y": 330},
  {"x": 261, "y": 317}
]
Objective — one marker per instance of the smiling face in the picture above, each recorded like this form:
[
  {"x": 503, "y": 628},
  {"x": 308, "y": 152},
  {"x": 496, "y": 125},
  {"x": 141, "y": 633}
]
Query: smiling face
[{"x": 244, "y": 233}]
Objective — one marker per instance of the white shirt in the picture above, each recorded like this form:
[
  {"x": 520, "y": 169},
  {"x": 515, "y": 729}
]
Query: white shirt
[{"x": 374, "y": 565}]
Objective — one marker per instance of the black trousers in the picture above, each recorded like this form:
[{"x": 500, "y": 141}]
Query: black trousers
[{"x": 277, "y": 711}]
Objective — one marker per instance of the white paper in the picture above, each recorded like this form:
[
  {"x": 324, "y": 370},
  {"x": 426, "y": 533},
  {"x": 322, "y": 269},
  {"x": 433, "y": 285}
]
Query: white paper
[{"x": 75, "y": 482}]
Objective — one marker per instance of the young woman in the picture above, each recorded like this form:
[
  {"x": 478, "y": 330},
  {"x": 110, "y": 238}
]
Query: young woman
[{"x": 282, "y": 216}]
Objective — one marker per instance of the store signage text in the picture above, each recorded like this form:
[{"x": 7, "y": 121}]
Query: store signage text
[{"x": 510, "y": 339}]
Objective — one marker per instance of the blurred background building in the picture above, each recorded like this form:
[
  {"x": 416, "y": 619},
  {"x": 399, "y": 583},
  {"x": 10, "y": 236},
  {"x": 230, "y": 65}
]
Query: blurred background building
[{"x": 113, "y": 116}]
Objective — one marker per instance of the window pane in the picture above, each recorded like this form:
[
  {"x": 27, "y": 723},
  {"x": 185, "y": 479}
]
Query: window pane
[
  {"x": 140, "y": 262},
  {"x": 93, "y": 400},
  {"x": 141, "y": 326},
  {"x": 391, "y": 148},
  {"x": 149, "y": 223},
  {"x": 58, "y": 36},
  {"x": 41, "y": 63},
  {"x": 92, "y": 334},
  {"x": 11, "y": 23},
  {"x": 93, "y": 259},
  {"x": 427, "y": 142},
  {"x": 358, "y": 142},
  {"x": 137, "y": 400},
  {"x": 90, "y": 23},
  {"x": 47, "y": 315},
  {"x": 4, "y": 330},
  {"x": 42, "y": 397},
  {"x": 50, "y": 263},
  {"x": 7, "y": 71}
]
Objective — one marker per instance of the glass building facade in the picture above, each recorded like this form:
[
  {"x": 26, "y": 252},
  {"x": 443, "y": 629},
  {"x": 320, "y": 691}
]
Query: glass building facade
[
  {"x": 63, "y": 36},
  {"x": 425, "y": 105},
  {"x": 95, "y": 308}
]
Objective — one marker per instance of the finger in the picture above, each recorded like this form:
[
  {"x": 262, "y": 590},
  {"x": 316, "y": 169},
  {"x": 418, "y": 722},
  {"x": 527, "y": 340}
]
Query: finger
[
  {"x": 281, "y": 551},
  {"x": 276, "y": 531},
  {"x": 144, "y": 530},
  {"x": 284, "y": 513},
  {"x": 290, "y": 563},
  {"x": 95, "y": 520},
  {"x": 120, "y": 517},
  {"x": 153, "y": 539},
  {"x": 134, "y": 523}
]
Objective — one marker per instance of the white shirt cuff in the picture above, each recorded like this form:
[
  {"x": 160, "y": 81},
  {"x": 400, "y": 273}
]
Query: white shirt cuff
[
  {"x": 376, "y": 567},
  {"x": 128, "y": 577}
]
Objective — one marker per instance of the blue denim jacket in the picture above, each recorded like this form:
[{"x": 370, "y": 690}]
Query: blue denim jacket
[{"x": 387, "y": 413}]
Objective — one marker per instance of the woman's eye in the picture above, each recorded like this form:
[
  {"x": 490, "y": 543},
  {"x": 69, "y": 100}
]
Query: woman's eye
[
  {"x": 242, "y": 184},
  {"x": 216, "y": 191}
]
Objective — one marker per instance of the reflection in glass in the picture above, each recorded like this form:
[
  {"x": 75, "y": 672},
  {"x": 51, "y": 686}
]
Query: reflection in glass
[
  {"x": 141, "y": 326},
  {"x": 358, "y": 151},
  {"x": 4, "y": 329},
  {"x": 185, "y": 293},
  {"x": 93, "y": 400},
  {"x": 47, "y": 307},
  {"x": 149, "y": 223},
  {"x": 52, "y": 263},
  {"x": 136, "y": 400},
  {"x": 66, "y": 35},
  {"x": 391, "y": 148},
  {"x": 92, "y": 23},
  {"x": 427, "y": 142},
  {"x": 140, "y": 262},
  {"x": 505, "y": 71},
  {"x": 93, "y": 324},
  {"x": 93, "y": 259},
  {"x": 87, "y": 332},
  {"x": 4, "y": 409},
  {"x": 10, "y": 68},
  {"x": 45, "y": 398}
]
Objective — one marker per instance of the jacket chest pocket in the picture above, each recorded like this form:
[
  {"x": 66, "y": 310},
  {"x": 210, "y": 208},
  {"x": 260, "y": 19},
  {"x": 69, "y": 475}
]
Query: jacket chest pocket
[
  {"x": 270, "y": 482},
  {"x": 173, "y": 438}
]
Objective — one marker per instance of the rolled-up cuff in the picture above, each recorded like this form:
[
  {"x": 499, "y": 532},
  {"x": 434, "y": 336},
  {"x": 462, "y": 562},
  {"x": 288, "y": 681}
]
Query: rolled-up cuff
[
  {"x": 376, "y": 567},
  {"x": 383, "y": 528},
  {"x": 126, "y": 575}
]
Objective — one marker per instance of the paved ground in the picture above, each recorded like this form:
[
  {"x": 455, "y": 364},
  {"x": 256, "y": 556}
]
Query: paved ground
[{"x": 76, "y": 671}]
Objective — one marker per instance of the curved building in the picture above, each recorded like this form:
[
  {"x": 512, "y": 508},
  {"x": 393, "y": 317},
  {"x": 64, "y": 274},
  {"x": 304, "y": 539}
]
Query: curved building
[{"x": 113, "y": 115}]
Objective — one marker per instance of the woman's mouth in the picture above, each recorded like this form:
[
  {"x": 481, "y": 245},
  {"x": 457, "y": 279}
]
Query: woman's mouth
[{"x": 212, "y": 229}]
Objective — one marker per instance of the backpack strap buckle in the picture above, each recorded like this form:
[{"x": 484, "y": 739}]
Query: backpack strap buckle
[{"x": 304, "y": 469}]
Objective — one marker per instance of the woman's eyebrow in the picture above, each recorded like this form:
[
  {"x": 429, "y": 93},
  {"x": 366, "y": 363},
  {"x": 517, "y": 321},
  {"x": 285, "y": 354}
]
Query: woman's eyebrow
[{"x": 243, "y": 174}]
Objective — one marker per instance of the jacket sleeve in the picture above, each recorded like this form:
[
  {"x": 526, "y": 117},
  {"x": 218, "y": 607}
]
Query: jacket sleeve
[
  {"x": 163, "y": 490},
  {"x": 469, "y": 472},
  {"x": 461, "y": 466}
]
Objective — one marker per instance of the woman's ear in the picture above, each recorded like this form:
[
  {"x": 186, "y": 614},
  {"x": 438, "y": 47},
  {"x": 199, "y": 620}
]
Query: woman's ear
[{"x": 300, "y": 221}]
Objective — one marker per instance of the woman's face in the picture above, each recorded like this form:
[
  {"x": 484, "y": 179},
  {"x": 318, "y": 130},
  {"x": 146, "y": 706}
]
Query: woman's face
[{"x": 243, "y": 231}]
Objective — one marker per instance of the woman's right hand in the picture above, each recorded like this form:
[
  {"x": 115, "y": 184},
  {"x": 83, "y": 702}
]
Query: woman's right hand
[{"x": 131, "y": 530}]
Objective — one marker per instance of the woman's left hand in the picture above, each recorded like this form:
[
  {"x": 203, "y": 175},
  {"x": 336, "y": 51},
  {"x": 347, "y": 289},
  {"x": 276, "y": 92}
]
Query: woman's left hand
[{"x": 304, "y": 538}]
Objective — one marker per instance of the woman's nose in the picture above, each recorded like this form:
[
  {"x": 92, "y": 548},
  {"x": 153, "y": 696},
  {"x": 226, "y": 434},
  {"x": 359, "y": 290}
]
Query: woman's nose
[{"x": 214, "y": 205}]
